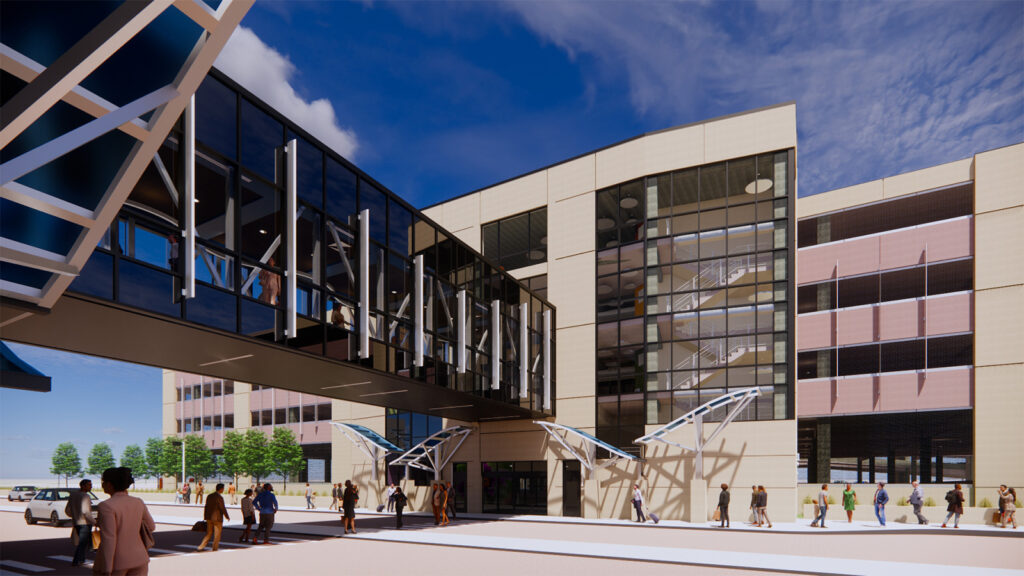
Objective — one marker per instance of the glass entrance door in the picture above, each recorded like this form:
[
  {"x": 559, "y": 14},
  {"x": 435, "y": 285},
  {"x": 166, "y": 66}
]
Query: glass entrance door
[{"x": 572, "y": 492}]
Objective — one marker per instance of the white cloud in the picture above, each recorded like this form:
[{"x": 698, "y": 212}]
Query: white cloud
[
  {"x": 112, "y": 430},
  {"x": 267, "y": 73},
  {"x": 881, "y": 88}
]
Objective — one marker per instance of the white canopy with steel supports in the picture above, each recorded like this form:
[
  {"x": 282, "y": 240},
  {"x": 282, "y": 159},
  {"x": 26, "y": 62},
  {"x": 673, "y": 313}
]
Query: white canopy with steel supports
[
  {"x": 434, "y": 453},
  {"x": 375, "y": 446},
  {"x": 741, "y": 397},
  {"x": 587, "y": 454}
]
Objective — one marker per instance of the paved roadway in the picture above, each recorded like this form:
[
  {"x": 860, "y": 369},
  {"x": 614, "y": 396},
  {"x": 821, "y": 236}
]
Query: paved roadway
[{"x": 311, "y": 543}]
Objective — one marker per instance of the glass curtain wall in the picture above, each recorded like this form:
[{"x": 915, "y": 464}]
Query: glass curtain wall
[
  {"x": 240, "y": 226},
  {"x": 694, "y": 284}
]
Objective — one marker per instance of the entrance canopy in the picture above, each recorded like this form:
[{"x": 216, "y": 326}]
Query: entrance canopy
[
  {"x": 375, "y": 446},
  {"x": 434, "y": 453},
  {"x": 587, "y": 453},
  {"x": 16, "y": 373},
  {"x": 741, "y": 397}
]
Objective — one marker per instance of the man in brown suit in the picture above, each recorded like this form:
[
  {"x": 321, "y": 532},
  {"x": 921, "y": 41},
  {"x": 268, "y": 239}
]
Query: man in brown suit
[
  {"x": 121, "y": 518},
  {"x": 215, "y": 514}
]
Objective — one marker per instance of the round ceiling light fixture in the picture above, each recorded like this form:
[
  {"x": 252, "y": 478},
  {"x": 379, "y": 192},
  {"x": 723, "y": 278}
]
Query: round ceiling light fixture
[
  {"x": 604, "y": 289},
  {"x": 629, "y": 202},
  {"x": 536, "y": 255},
  {"x": 758, "y": 186},
  {"x": 605, "y": 224}
]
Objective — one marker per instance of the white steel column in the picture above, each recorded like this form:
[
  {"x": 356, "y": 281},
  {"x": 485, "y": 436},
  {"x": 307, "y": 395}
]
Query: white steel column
[
  {"x": 189, "y": 288},
  {"x": 524, "y": 349},
  {"x": 291, "y": 205},
  {"x": 460, "y": 353},
  {"x": 496, "y": 344},
  {"x": 364, "y": 283},
  {"x": 417, "y": 316},
  {"x": 547, "y": 360}
]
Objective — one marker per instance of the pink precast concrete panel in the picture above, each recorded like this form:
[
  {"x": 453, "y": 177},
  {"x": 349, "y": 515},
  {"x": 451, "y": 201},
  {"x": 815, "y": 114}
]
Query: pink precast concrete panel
[
  {"x": 316, "y": 432},
  {"x": 947, "y": 389},
  {"x": 951, "y": 314},
  {"x": 189, "y": 410},
  {"x": 818, "y": 263},
  {"x": 813, "y": 397},
  {"x": 855, "y": 395},
  {"x": 814, "y": 331},
  {"x": 945, "y": 241},
  {"x": 901, "y": 320},
  {"x": 898, "y": 392},
  {"x": 857, "y": 325}
]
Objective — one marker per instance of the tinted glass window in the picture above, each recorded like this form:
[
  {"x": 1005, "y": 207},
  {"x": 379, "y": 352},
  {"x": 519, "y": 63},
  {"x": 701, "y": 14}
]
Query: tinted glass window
[
  {"x": 216, "y": 117},
  {"x": 262, "y": 139}
]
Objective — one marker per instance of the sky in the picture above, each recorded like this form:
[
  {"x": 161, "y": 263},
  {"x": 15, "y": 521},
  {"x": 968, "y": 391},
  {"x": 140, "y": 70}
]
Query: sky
[{"x": 436, "y": 99}]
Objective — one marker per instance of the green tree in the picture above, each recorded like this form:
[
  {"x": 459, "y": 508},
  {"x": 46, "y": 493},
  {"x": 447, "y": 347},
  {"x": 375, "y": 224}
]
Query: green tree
[
  {"x": 154, "y": 447},
  {"x": 231, "y": 457},
  {"x": 101, "y": 457},
  {"x": 170, "y": 457},
  {"x": 255, "y": 461},
  {"x": 134, "y": 458},
  {"x": 198, "y": 458},
  {"x": 65, "y": 461},
  {"x": 285, "y": 454}
]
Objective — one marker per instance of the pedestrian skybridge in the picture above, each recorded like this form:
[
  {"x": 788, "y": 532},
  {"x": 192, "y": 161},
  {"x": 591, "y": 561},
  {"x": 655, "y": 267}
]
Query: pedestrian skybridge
[{"x": 190, "y": 226}]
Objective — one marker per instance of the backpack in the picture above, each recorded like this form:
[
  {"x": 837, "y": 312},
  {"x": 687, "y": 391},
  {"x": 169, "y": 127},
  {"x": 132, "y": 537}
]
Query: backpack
[{"x": 951, "y": 496}]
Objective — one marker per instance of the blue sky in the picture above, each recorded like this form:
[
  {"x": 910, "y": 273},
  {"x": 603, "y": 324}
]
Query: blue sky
[
  {"x": 91, "y": 400},
  {"x": 435, "y": 99}
]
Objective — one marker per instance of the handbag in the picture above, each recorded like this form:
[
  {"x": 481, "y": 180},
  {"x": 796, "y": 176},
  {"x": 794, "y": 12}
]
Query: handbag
[
  {"x": 717, "y": 515},
  {"x": 199, "y": 526},
  {"x": 147, "y": 536},
  {"x": 96, "y": 539}
]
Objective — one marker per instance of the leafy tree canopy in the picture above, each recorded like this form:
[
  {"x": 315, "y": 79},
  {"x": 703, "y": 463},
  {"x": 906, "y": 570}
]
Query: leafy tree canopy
[
  {"x": 65, "y": 461},
  {"x": 101, "y": 457}
]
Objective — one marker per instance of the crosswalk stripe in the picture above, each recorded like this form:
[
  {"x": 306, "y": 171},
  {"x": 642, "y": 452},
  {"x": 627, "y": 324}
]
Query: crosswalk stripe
[
  {"x": 24, "y": 566},
  {"x": 69, "y": 559},
  {"x": 164, "y": 551}
]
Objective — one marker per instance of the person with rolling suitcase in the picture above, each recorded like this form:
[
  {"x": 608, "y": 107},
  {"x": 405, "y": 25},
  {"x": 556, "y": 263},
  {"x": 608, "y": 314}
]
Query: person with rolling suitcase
[{"x": 638, "y": 503}]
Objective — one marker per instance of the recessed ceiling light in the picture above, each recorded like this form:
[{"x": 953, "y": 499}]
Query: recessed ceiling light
[
  {"x": 629, "y": 285},
  {"x": 536, "y": 255},
  {"x": 628, "y": 202},
  {"x": 758, "y": 186},
  {"x": 345, "y": 385},
  {"x": 605, "y": 223},
  {"x": 382, "y": 393},
  {"x": 611, "y": 243},
  {"x": 452, "y": 407},
  {"x": 262, "y": 231},
  {"x": 604, "y": 289},
  {"x": 242, "y": 357},
  {"x": 544, "y": 240}
]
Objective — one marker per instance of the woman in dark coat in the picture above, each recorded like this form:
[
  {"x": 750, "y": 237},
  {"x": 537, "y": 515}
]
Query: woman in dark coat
[
  {"x": 723, "y": 506},
  {"x": 348, "y": 505},
  {"x": 955, "y": 497}
]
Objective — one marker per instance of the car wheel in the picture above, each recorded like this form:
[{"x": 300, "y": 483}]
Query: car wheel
[
  {"x": 54, "y": 518},
  {"x": 28, "y": 517}
]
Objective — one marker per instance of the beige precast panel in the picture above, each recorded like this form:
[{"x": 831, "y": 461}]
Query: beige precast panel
[
  {"x": 571, "y": 226},
  {"x": 673, "y": 149},
  {"x": 997, "y": 179},
  {"x": 167, "y": 383},
  {"x": 513, "y": 197},
  {"x": 747, "y": 134},
  {"x": 243, "y": 416},
  {"x": 619, "y": 163},
  {"x": 462, "y": 212},
  {"x": 577, "y": 412},
  {"x": 571, "y": 290},
  {"x": 928, "y": 178},
  {"x": 999, "y": 400},
  {"x": 513, "y": 446},
  {"x": 998, "y": 258},
  {"x": 170, "y": 423},
  {"x": 571, "y": 178},
  {"x": 839, "y": 199},
  {"x": 575, "y": 369},
  {"x": 999, "y": 327}
]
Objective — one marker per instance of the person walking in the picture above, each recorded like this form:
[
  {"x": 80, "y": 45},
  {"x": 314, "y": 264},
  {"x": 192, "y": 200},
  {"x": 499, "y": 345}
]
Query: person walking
[
  {"x": 762, "y": 505},
  {"x": 248, "y": 515},
  {"x": 1001, "y": 491},
  {"x": 231, "y": 493},
  {"x": 334, "y": 497},
  {"x": 186, "y": 492},
  {"x": 400, "y": 502},
  {"x": 881, "y": 499},
  {"x": 638, "y": 503},
  {"x": 266, "y": 503},
  {"x": 435, "y": 503},
  {"x": 348, "y": 502},
  {"x": 917, "y": 500},
  {"x": 309, "y": 497},
  {"x": 822, "y": 506},
  {"x": 121, "y": 519},
  {"x": 215, "y": 513},
  {"x": 199, "y": 493},
  {"x": 391, "y": 497},
  {"x": 450, "y": 506},
  {"x": 849, "y": 502},
  {"x": 753, "y": 505},
  {"x": 79, "y": 509},
  {"x": 955, "y": 497},
  {"x": 1009, "y": 499},
  {"x": 444, "y": 505},
  {"x": 723, "y": 506}
]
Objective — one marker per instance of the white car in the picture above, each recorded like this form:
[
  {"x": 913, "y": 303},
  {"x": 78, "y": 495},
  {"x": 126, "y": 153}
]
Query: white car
[
  {"x": 21, "y": 493},
  {"x": 49, "y": 504}
]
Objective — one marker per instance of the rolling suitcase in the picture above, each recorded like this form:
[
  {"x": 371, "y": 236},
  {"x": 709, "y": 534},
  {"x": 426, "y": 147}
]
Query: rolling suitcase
[
  {"x": 653, "y": 516},
  {"x": 380, "y": 508}
]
